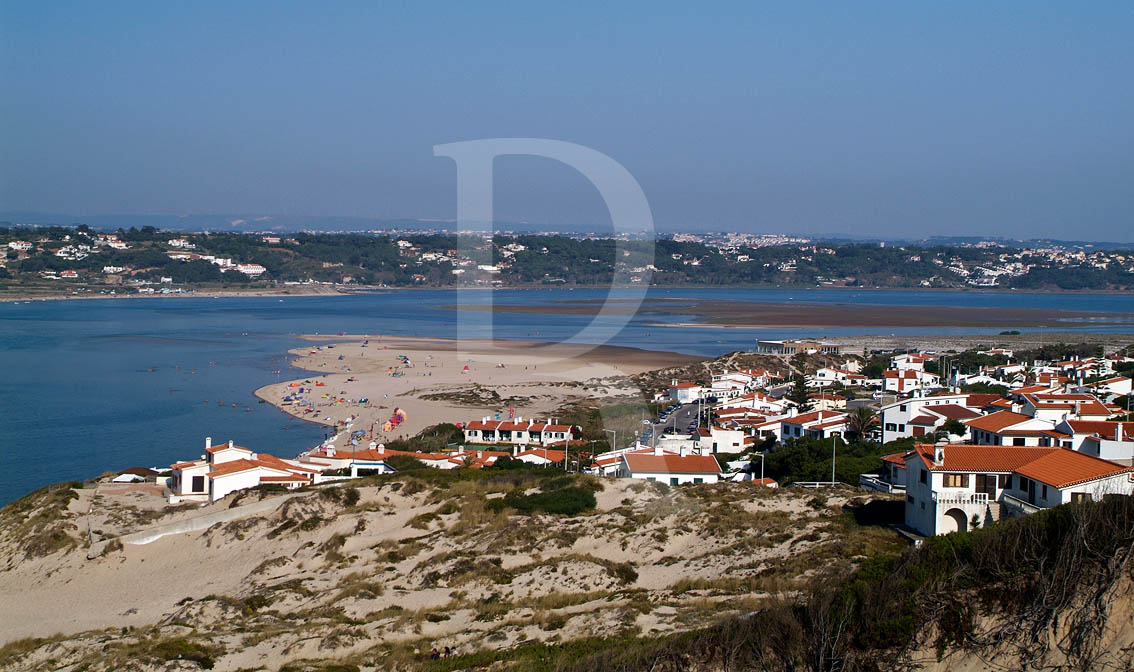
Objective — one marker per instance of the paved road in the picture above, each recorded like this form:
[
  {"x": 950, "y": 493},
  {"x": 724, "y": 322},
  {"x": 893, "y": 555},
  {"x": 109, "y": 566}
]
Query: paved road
[{"x": 681, "y": 418}]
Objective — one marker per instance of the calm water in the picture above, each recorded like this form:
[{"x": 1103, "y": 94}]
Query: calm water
[{"x": 77, "y": 397}]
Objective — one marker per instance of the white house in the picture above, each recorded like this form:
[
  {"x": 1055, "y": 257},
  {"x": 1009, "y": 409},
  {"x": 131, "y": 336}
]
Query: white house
[
  {"x": 20, "y": 245},
  {"x": 685, "y": 392},
  {"x": 519, "y": 432},
  {"x": 917, "y": 416},
  {"x": 251, "y": 270},
  {"x": 914, "y": 361},
  {"x": 815, "y": 425},
  {"x": 1009, "y": 428},
  {"x": 908, "y": 380},
  {"x": 228, "y": 467},
  {"x": 958, "y": 486},
  {"x": 1055, "y": 407},
  {"x": 663, "y": 467},
  {"x": 1112, "y": 441},
  {"x": 709, "y": 440}
]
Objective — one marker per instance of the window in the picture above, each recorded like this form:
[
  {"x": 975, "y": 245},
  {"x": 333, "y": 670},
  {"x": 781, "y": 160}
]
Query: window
[
  {"x": 923, "y": 506},
  {"x": 1067, "y": 444},
  {"x": 1006, "y": 482},
  {"x": 924, "y": 476},
  {"x": 909, "y": 499},
  {"x": 902, "y": 408},
  {"x": 673, "y": 480},
  {"x": 198, "y": 484},
  {"x": 901, "y": 427},
  {"x": 956, "y": 480},
  {"x": 1044, "y": 492},
  {"x": 651, "y": 478},
  {"x": 698, "y": 481},
  {"x": 891, "y": 427},
  {"x": 1080, "y": 497},
  {"x": 1018, "y": 441}
]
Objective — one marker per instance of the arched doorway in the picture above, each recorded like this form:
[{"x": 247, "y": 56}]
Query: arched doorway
[{"x": 954, "y": 520}]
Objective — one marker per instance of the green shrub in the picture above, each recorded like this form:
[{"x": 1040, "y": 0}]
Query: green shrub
[{"x": 566, "y": 501}]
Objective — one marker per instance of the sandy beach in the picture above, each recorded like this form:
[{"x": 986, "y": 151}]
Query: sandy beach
[{"x": 451, "y": 381}]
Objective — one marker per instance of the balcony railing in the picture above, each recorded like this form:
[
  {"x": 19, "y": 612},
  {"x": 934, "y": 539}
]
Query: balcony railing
[
  {"x": 872, "y": 482},
  {"x": 1017, "y": 507},
  {"x": 962, "y": 498}
]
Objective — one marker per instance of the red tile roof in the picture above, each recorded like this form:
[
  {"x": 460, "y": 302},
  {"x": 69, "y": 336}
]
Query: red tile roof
[
  {"x": 672, "y": 464},
  {"x": 1104, "y": 428},
  {"x": 952, "y": 411},
  {"x": 1063, "y": 468},
  {"x": 998, "y": 421},
  {"x": 1057, "y": 467}
]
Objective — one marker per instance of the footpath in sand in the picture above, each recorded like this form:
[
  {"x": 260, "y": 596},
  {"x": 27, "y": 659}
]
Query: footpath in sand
[{"x": 436, "y": 381}]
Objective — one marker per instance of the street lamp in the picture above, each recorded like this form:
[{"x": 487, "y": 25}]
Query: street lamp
[
  {"x": 761, "y": 468},
  {"x": 614, "y": 440}
]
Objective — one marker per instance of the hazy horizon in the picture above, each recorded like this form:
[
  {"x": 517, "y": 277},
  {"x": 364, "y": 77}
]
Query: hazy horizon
[{"x": 881, "y": 120}]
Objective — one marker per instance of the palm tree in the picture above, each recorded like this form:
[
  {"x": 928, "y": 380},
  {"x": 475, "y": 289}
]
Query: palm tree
[{"x": 860, "y": 421}]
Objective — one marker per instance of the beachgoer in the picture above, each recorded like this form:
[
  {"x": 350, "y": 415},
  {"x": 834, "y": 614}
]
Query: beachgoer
[{"x": 434, "y": 654}]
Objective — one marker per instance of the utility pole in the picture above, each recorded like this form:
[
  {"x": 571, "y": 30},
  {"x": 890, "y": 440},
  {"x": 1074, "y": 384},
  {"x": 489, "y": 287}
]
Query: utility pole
[
  {"x": 832, "y": 458},
  {"x": 614, "y": 444}
]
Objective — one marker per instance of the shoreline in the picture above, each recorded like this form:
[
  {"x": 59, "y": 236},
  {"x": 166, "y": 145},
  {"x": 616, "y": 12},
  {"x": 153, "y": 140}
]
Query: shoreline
[
  {"x": 450, "y": 381},
  {"x": 343, "y": 290}
]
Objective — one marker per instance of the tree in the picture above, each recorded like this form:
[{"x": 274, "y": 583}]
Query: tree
[
  {"x": 800, "y": 394},
  {"x": 860, "y": 421},
  {"x": 954, "y": 426}
]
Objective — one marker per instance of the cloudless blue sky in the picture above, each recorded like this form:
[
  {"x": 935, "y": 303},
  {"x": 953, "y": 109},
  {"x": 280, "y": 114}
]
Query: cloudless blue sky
[{"x": 889, "y": 118}]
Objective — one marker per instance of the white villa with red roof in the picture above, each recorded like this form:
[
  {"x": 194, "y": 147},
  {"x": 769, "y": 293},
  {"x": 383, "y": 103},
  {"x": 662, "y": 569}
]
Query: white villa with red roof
[
  {"x": 1109, "y": 440},
  {"x": 672, "y": 469},
  {"x": 519, "y": 432},
  {"x": 954, "y": 487},
  {"x": 814, "y": 425},
  {"x": 912, "y": 360},
  {"x": 685, "y": 392},
  {"x": 908, "y": 380},
  {"x": 228, "y": 467}
]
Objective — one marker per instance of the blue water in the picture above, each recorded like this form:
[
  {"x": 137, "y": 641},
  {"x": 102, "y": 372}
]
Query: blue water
[{"x": 76, "y": 398}]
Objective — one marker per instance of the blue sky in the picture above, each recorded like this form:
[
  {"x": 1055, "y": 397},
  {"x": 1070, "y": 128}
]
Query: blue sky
[{"x": 1009, "y": 118}]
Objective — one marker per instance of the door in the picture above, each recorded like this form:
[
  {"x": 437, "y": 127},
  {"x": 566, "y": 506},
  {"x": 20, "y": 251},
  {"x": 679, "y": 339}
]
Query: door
[
  {"x": 986, "y": 483},
  {"x": 1031, "y": 491},
  {"x": 918, "y": 430}
]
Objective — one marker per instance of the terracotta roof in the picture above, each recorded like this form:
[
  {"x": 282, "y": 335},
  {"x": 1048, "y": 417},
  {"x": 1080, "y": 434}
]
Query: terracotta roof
[
  {"x": 898, "y": 458},
  {"x": 998, "y": 421},
  {"x": 233, "y": 467},
  {"x": 225, "y": 446},
  {"x": 672, "y": 464},
  {"x": 553, "y": 455},
  {"x": 1104, "y": 428},
  {"x": 284, "y": 479},
  {"x": 1063, "y": 468},
  {"x": 968, "y": 457},
  {"x": 183, "y": 465},
  {"x": 1057, "y": 467},
  {"x": 952, "y": 411},
  {"x": 923, "y": 420},
  {"x": 814, "y": 416},
  {"x": 683, "y": 385}
]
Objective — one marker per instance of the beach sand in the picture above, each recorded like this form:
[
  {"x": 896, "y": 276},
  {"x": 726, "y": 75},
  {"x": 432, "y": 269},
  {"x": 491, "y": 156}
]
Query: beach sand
[{"x": 532, "y": 378}]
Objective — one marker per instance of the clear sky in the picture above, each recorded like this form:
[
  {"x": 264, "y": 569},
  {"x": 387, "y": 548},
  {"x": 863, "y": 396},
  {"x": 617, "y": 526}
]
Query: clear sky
[{"x": 887, "y": 118}]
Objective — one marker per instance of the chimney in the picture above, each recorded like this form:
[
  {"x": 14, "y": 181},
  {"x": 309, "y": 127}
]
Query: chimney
[
  {"x": 381, "y": 449},
  {"x": 793, "y": 411},
  {"x": 1118, "y": 431},
  {"x": 330, "y": 451},
  {"x": 657, "y": 449},
  {"x": 1077, "y": 409},
  {"x": 515, "y": 451},
  {"x": 208, "y": 442},
  {"x": 479, "y": 454},
  {"x": 939, "y": 453},
  {"x": 230, "y": 443},
  {"x": 683, "y": 451}
]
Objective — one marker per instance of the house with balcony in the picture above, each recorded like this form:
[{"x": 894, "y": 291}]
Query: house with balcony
[
  {"x": 955, "y": 487},
  {"x": 519, "y": 432},
  {"x": 227, "y": 467},
  {"x": 896, "y": 418}
]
